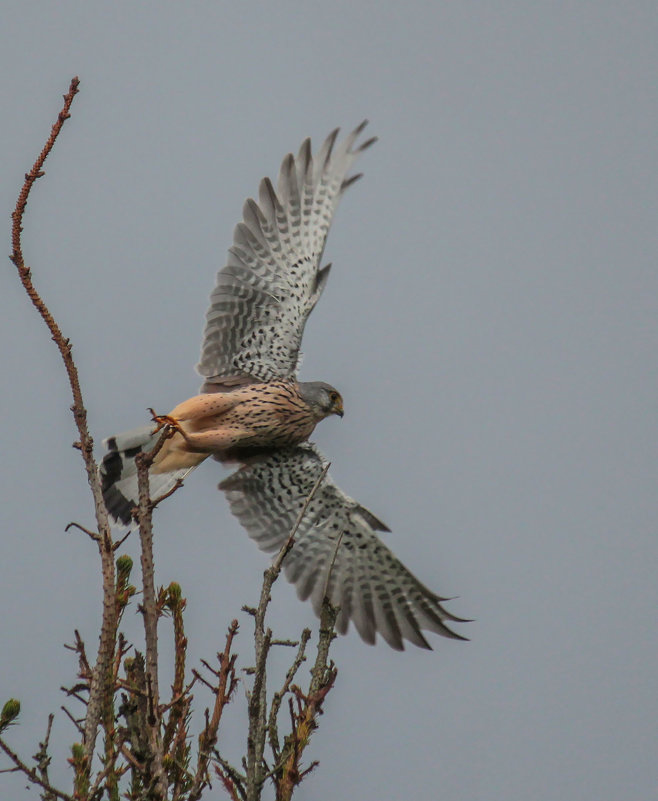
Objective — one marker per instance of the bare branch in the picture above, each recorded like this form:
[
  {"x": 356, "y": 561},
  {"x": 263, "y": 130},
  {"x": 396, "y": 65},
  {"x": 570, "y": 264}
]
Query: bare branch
[
  {"x": 120, "y": 542},
  {"x": 177, "y": 485},
  {"x": 86, "y": 444},
  {"x": 42, "y": 758},
  {"x": 323, "y": 672},
  {"x": 233, "y": 782},
  {"x": 32, "y": 774},
  {"x": 291, "y": 539},
  {"x": 37, "y": 172},
  {"x": 223, "y": 692},
  {"x": 91, "y": 534},
  {"x": 279, "y": 696},
  {"x": 73, "y": 720}
]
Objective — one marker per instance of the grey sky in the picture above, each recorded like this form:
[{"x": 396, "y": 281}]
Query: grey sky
[{"x": 490, "y": 321}]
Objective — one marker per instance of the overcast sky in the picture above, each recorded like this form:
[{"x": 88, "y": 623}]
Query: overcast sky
[{"x": 490, "y": 321}]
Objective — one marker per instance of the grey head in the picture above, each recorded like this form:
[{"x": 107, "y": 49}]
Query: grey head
[{"x": 322, "y": 398}]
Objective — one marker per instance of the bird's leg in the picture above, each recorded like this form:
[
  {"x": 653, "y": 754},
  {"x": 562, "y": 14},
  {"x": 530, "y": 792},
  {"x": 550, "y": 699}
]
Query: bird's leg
[{"x": 166, "y": 421}]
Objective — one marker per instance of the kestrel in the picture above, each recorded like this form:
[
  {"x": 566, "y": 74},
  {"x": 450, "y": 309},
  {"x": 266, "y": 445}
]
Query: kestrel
[{"x": 253, "y": 410}]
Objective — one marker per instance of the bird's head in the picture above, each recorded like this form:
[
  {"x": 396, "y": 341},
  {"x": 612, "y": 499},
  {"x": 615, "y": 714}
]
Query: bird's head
[{"x": 323, "y": 399}]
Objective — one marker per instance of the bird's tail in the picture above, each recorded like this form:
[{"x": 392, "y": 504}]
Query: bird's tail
[{"x": 118, "y": 473}]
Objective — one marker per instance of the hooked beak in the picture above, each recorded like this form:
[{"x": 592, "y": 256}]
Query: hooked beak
[{"x": 338, "y": 407}]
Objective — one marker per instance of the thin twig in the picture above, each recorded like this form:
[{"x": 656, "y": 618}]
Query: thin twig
[
  {"x": 209, "y": 668},
  {"x": 73, "y": 720},
  {"x": 131, "y": 759},
  {"x": 71, "y": 692},
  {"x": 279, "y": 696},
  {"x": 32, "y": 774},
  {"x": 322, "y": 671},
  {"x": 223, "y": 692},
  {"x": 236, "y": 777},
  {"x": 199, "y": 677},
  {"x": 91, "y": 534},
  {"x": 291, "y": 539},
  {"x": 179, "y": 698},
  {"x": 37, "y": 172},
  {"x": 230, "y": 785},
  {"x": 43, "y": 759},
  {"x": 100, "y": 777},
  {"x": 331, "y": 566},
  {"x": 120, "y": 542},
  {"x": 85, "y": 670},
  {"x": 177, "y": 485}
]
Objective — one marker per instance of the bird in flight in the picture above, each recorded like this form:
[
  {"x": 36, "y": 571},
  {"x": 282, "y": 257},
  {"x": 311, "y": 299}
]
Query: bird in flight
[{"x": 253, "y": 410}]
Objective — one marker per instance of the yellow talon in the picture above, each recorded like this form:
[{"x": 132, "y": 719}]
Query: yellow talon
[{"x": 165, "y": 421}]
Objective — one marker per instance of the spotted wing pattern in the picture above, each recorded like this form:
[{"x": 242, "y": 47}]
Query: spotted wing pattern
[
  {"x": 336, "y": 549},
  {"x": 272, "y": 279}
]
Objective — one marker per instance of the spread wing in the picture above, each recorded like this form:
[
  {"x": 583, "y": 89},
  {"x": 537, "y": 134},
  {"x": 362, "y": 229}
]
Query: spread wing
[
  {"x": 336, "y": 547},
  {"x": 272, "y": 279}
]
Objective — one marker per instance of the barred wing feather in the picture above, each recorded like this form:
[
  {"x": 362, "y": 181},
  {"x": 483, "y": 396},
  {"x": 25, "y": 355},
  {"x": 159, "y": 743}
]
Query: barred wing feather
[
  {"x": 272, "y": 278},
  {"x": 336, "y": 549}
]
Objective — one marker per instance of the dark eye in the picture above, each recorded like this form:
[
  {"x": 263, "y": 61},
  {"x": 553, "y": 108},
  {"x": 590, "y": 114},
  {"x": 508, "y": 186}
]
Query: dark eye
[{"x": 333, "y": 396}]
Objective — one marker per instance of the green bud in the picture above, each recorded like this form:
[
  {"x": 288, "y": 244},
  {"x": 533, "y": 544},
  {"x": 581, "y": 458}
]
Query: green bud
[
  {"x": 77, "y": 752},
  {"x": 10, "y": 711},
  {"x": 124, "y": 566}
]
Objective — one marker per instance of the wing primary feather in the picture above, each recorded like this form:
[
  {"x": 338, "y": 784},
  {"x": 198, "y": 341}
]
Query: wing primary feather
[
  {"x": 371, "y": 586},
  {"x": 353, "y": 136},
  {"x": 280, "y": 240},
  {"x": 324, "y": 154},
  {"x": 366, "y": 144},
  {"x": 349, "y": 181},
  {"x": 304, "y": 159}
]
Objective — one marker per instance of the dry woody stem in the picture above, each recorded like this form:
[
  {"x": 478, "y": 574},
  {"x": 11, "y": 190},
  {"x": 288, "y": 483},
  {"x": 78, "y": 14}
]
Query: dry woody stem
[{"x": 99, "y": 676}]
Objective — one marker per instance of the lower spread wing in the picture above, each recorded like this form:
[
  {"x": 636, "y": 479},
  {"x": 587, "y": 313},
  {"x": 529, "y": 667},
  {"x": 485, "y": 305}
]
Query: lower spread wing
[
  {"x": 336, "y": 549},
  {"x": 272, "y": 278}
]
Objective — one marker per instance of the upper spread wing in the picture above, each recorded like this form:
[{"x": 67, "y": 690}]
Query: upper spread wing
[
  {"x": 336, "y": 550},
  {"x": 272, "y": 278}
]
